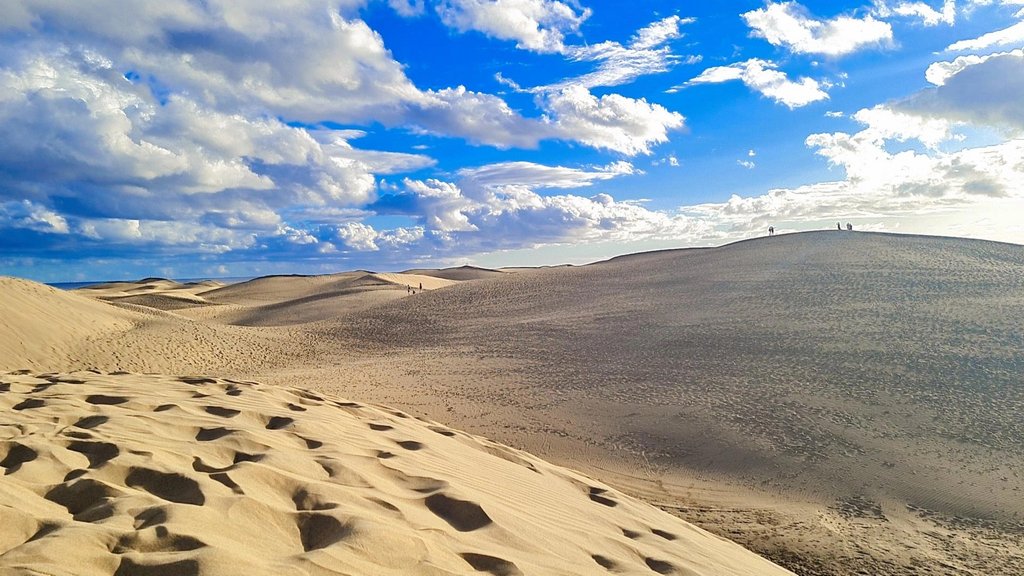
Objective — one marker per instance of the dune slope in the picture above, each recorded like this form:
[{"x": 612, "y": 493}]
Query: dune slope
[
  {"x": 131, "y": 474},
  {"x": 876, "y": 375},
  {"x": 38, "y": 324}
]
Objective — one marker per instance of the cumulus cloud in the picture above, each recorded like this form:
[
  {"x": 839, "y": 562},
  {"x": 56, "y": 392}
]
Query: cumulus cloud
[
  {"x": 203, "y": 128},
  {"x": 763, "y": 76},
  {"x": 306, "y": 62},
  {"x": 482, "y": 119},
  {"x": 29, "y": 215},
  {"x": 902, "y": 188},
  {"x": 69, "y": 123},
  {"x": 790, "y": 25},
  {"x": 537, "y": 25},
  {"x": 611, "y": 122},
  {"x": 978, "y": 89},
  {"x": 991, "y": 171},
  {"x": 249, "y": 58},
  {"x": 499, "y": 207}
]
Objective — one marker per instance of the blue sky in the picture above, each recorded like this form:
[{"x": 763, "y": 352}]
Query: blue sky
[{"x": 216, "y": 138}]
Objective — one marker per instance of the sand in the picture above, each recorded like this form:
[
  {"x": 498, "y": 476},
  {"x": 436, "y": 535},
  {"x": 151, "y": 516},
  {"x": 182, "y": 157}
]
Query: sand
[
  {"x": 141, "y": 474},
  {"x": 842, "y": 403}
]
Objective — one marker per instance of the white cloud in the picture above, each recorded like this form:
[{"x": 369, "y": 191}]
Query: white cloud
[
  {"x": 535, "y": 175},
  {"x": 978, "y": 89},
  {"x": 537, "y": 25},
  {"x": 497, "y": 207},
  {"x": 31, "y": 216},
  {"x": 441, "y": 205},
  {"x": 790, "y": 25},
  {"x": 611, "y": 122},
  {"x": 928, "y": 15},
  {"x": 867, "y": 162},
  {"x": 308, "y": 62},
  {"x": 482, "y": 119},
  {"x": 764, "y": 76},
  {"x": 748, "y": 164},
  {"x": 906, "y": 191},
  {"x": 660, "y": 32},
  {"x": 304, "y": 61},
  {"x": 645, "y": 54},
  {"x": 1012, "y": 35},
  {"x": 358, "y": 236},
  {"x": 407, "y": 8}
]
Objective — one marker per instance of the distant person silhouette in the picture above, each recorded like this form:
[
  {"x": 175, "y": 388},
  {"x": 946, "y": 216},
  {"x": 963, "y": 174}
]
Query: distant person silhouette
[
  {"x": 771, "y": 230},
  {"x": 421, "y": 285},
  {"x": 849, "y": 227},
  {"x": 839, "y": 226}
]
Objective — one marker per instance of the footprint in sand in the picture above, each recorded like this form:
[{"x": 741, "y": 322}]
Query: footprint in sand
[
  {"x": 173, "y": 487},
  {"x": 491, "y": 564},
  {"x": 463, "y": 515},
  {"x": 16, "y": 456},
  {"x": 279, "y": 422},
  {"x": 604, "y": 562},
  {"x": 90, "y": 422},
  {"x": 318, "y": 531},
  {"x": 659, "y": 566},
  {"x": 81, "y": 496},
  {"x": 104, "y": 400},
  {"x": 208, "y": 434},
  {"x": 222, "y": 412},
  {"x": 98, "y": 453},
  {"x": 130, "y": 567},
  {"x": 596, "y": 494}
]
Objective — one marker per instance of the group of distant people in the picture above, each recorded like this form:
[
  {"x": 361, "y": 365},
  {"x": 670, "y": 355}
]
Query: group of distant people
[
  {"x": 409, "y": 289},
  {"x": 839, "y": 226}
]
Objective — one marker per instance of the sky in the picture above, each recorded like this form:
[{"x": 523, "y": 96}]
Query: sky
[{"x": 214, "y": 138}]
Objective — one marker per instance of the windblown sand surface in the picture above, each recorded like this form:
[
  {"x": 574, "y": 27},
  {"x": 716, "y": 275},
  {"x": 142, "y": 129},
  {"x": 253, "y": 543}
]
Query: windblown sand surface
[
  {"x": 150, "y": 475},
  {"x": 843, "y": 403}
]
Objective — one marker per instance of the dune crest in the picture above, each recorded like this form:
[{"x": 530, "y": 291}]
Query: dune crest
[{"x": 133, "y": 474}]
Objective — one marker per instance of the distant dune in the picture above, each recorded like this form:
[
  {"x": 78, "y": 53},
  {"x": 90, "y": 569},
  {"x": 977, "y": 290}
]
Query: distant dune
[
  {"x": 129, "y": 474},
  {"x": 843, "y": 403},
  {"x": 461, "y": 274}
]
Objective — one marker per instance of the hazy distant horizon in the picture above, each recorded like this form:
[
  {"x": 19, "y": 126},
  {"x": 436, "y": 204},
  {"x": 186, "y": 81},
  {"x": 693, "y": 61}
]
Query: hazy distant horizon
[{"x": 536, "y": 255}]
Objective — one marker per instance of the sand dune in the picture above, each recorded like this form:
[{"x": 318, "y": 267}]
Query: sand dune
[
  {"x": 877, "y": 376},
  {"x": 461, "y": 274},
  {"x": 158, "y": 293},
  {"x": 130, "y": 474},
  {"x": 39, "y": 324},
  {"x": 289, "y": 300},
  {"x": 843, "y": 403}
]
